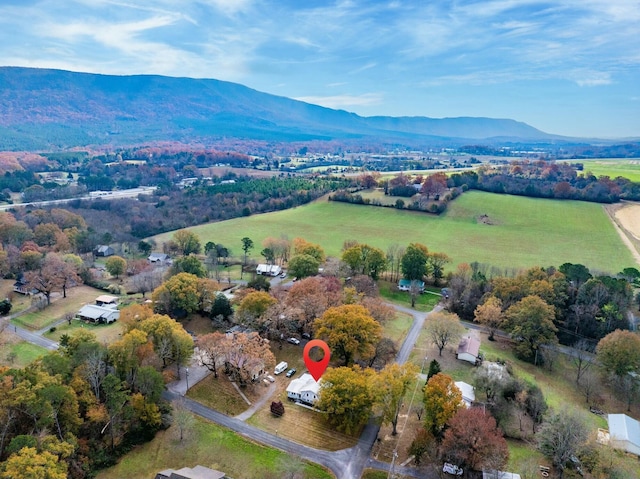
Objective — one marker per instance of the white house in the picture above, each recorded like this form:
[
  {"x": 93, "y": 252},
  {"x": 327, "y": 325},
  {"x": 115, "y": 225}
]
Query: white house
[
  {"x": 624, "y": 433},
  {"x": 304, "y": 389},
  {"x": 469, "y": 349},
  {"x": 405, "y": 285},
  {"x": 499, "y": 475},
  {"x": 468, "y": 394},
  {"x": 268, "y": 269},
  {"x": 98, "y": 314}
]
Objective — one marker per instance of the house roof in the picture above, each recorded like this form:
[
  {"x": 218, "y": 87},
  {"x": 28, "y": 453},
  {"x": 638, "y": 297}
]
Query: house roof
[
  {"x": 303, "y": 384},
  {"x": 102, "y": 248},
  {"x": 106, "y": 298},
  {"x": 268, "y": 268},
  {"x": 469, "y": 345},
  {"x": 158, "y": 257},
  {"x": 198, "y": 472},
  {"x": 468, "y": 394},
  {"x": 407, "y": 283},
  {"x": 624, "y": 428},
  {"x": 93, "y": 311}
]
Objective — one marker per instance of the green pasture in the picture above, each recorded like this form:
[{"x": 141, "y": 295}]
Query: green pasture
[
  {"x": 20, "y": 354},
  {"x": 613, "y": 167},
  {"x": 212, "y": 446},
  {"x": 517, "y": 232}
]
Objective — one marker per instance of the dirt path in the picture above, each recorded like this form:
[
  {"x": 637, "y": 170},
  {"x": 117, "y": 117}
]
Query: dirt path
[{"x": 626, "y": 220}]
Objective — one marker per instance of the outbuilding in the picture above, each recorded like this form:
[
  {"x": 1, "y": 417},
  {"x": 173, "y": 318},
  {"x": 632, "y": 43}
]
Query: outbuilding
[
  {"x": 104, "y": 250},
  {"x": 268, "y": 269},
  {"x": 469, "y": 349},
  {"x": 624, "y": 433}
]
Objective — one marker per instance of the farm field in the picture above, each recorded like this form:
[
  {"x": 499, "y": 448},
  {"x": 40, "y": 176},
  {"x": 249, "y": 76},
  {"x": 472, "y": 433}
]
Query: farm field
[
  {"x": 516, "y": 232},
  {"x": 613, "y": 167}
]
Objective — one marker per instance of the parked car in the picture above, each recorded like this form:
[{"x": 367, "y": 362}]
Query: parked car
[
  {"x": 270, "y": 378},
  {"x": 281, "y": 367},
  {"x": 283, "y": 274},
  {"x": 293, "y": 341},
  {"x": 452, "y": 469},
  {"x": 291, "y": 372},
  {"x": 306, "y": 336}
]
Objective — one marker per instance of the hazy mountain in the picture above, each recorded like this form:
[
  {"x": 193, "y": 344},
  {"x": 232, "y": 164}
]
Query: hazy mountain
[{"x": 42, "y": 108}]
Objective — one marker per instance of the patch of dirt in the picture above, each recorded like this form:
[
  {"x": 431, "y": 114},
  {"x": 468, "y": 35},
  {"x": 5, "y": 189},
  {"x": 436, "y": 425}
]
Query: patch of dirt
[
  {"x": 485, "y": 220},
  {"x": 626, "y": 220}
]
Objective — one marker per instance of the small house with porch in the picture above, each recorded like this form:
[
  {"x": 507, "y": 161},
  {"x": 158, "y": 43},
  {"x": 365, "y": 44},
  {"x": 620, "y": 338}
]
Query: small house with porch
[
  {"x": 468, "y": 393},
  {"x": 469, "y": 349},
  {"x": 304, "y": 389},
  {"x": 405, "y": 285},
  {"x": 158, "y": 258},
  {"x": 98, "y": 314}
]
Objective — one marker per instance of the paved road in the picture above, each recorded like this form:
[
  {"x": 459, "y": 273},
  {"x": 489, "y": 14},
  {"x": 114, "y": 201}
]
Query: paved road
[
  {"x": 34, "y": 338},
  {"x": 108, "y": 195}
]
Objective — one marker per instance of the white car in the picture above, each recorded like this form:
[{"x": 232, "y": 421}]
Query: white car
[
  {"x": 452, "y": 469},
  {"x": 293, "y": 341}
]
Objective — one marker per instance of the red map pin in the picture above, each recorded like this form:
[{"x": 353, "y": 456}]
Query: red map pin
[{"x": 316, "y": 368}]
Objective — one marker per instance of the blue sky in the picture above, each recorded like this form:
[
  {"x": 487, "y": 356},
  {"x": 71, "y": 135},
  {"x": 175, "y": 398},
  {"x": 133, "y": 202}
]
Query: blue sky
[{"x": 570, "y": 67}]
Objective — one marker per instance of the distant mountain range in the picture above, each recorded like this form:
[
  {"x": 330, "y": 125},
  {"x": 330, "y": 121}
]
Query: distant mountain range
[{"x": 42, "y": 109}]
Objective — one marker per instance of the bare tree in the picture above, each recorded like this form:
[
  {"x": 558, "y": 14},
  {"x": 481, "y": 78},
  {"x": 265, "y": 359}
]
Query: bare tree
[
  {"x": 182, "y": 417},
  {"x": 582, "y": 358},
  {"x": 443, "y": 329},
  {"x": 95, "y": 369}
]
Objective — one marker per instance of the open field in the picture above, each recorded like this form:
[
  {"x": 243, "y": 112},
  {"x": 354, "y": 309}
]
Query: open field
[
  {"x": 212, "y": 446},
  {"x": 76, "y": 298},
  {"x": 518, "y": 232},
  {"x": 18, "y": 353},
  {"x": 613, "y": 167}
]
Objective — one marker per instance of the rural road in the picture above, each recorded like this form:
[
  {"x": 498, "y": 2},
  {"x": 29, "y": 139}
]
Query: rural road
[{"x": 346, "y": 463}]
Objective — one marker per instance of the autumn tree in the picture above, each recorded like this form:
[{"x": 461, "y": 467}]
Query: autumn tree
[
  {"x": 246, "y": 356},
  {"x": 366, "y": 260},
  {"x": 28, "y": 463},
  {"x": 312, "y": 296},
  {"x": 530, "y": 321},
  {"x": 170, "y": 341},
  {"x": 177, "y": 296},
  {"x": 443, "y": 328},
  {"x": 116, "y": 265},
  {"x": 254, "y": 305},
  {"x": 490, "y": 314},
  {"x": 619, "y": 352},
  {"x": 434, "y": 184},
  {"x": 302, "y": 246},
  {"x": 212, "y": 349},
  {"x": 473, "y": 440},
  {"x": 391, "y": 385},
  {"x": 442, "y": 399},
  {"x": 146, "y": 281},
  {"x": 350, "y": 331},
  {"x": 303, "y": 265},
  {"x": 54, "y": 275},
  {"x": 347, "y": 396},
  {"x": 414, "y": 262},
  {"x": 187, "y": 241}
]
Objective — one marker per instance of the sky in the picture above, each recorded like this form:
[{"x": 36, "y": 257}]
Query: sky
[{"x": 568, "y": 67}]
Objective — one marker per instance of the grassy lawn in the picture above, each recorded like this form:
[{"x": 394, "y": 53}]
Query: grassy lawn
[
  {"x": 398, "y": 328},
  {"x": 76, "y": 298},
  {"x": 20, "y": 354},
  {"x": 19, "y": 302},
  {"x": 105, "y": 333},
  {"x": 424, "y": 302},
  {"x": 212, "y": 446},
  {"x": 524, "y": 232}
]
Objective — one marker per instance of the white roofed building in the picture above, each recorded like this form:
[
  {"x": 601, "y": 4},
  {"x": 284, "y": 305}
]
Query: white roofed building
[
  {"x": 624, "y": 433},
  {"x": 304, "y": 389},
  {"x": 98, "y": 314},
  {"x": 468, "y": 393}
]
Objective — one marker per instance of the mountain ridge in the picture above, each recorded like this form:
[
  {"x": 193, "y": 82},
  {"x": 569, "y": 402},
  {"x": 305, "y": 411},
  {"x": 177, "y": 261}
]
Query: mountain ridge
[{"x": 43, "y": 104}]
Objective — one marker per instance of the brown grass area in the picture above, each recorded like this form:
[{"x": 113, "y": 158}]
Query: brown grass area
[
  {"x": 301, "y": 425},
  {"x": 76, "y": 298},
  {"x": 219, "y": 394}
]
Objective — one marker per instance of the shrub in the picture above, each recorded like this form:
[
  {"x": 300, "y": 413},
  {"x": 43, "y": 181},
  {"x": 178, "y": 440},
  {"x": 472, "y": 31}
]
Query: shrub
[{"x": 277, "y": 408}]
